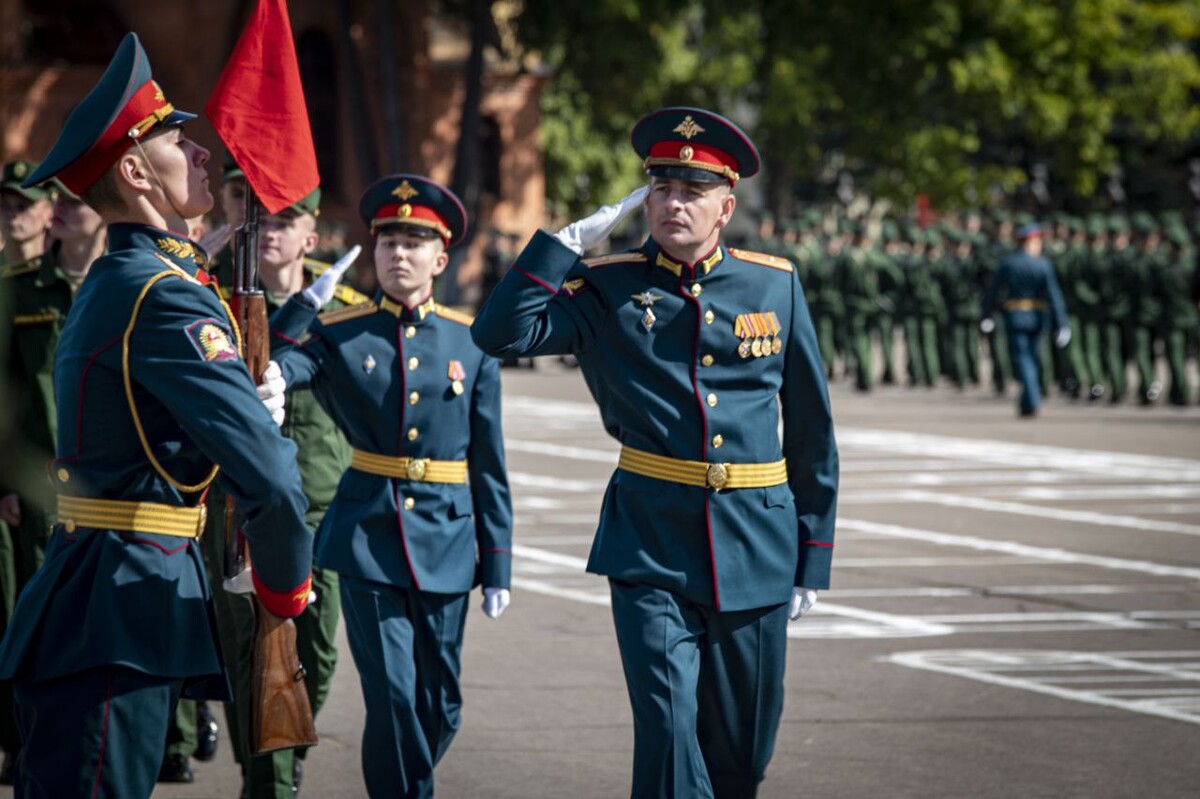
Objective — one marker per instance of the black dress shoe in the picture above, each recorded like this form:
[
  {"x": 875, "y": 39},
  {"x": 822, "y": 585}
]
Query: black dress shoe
[
  {"x": 176, "y": 768},
  {"x": 297, "y": 774},
  {"x": 207, "y": 733},
  {"x": 6, "y": 770}
]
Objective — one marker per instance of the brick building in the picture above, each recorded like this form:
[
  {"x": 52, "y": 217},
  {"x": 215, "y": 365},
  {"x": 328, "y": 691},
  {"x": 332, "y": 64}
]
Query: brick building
[{"x": 371, "y": 113}]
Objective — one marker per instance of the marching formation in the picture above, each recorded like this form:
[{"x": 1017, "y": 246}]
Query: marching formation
[{"x": 1129, "y": 283}]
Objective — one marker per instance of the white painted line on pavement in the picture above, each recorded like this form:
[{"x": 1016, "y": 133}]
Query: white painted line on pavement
[
  {"x": 985, "y": 666},
  {"x": 1019, "y": 550}
]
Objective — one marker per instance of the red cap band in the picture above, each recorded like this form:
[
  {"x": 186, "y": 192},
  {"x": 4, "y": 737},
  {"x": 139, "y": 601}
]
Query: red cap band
[
  {"x": 83, "y": 172},
  {"x": 409, "y": 214}
]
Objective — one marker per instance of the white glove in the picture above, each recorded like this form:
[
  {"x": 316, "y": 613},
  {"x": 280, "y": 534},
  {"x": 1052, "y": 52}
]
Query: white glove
[
  {"x": 243, "y": 583},
  {"x": 803, "y": 600},
  {"x": 321, "y": 291},
  {"x": 271, "y": 392},
  {"x": 987, "y": 326},
  {"x": 591, "y": 230},
  {"x": 495, "y": 600},
  {"x": 1063, "y": 337}
]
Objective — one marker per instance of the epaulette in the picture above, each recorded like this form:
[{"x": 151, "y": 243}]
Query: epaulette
[
  {"x": 453, "y": 315},
  {"x": 762, "y": 259},
  {"x": 23, "y": 268},
  {"x": 615, "y": 258},
  {"x": 346, "y": 314},
  {"x": 350, "y": 296}
]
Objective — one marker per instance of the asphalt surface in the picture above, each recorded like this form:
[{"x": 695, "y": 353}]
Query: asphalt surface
[{"x": 1015, "y": 612}]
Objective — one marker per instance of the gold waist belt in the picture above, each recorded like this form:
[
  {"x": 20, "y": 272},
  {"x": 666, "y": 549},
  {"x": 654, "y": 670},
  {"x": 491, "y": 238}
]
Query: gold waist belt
[
  {"x": 1024, "y": 305},
  {"x": 132, "y": 517},
  {"x": 717, "y": 476},
  {"x": 405, "y": 468}
]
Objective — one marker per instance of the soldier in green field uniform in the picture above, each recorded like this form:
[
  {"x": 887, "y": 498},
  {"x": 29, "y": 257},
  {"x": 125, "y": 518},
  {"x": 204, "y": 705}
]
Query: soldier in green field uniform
[
  {"x": 1089, "y": 286},
  {"x": 1174, "y": 284},
  {"x": 962, "y": 292},
  {"x": 859, "y": 280},
  {"x": 1146, "y": 306},
  {"x": 1069, "y": 264},
  {"x": 322, "y": 455},
  {"x": 891, "y": 278},
  {"x": 923, "y": 305},
  {"x": 1001, "y": 245},
  {"x": 1118, "y": 306},
  {"x": 829, "y": 308}
]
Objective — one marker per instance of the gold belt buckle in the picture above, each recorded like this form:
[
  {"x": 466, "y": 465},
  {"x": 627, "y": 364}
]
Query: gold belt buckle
[
  {"x": 416, "y": 468},
  {"x": 717, "y": 476}
]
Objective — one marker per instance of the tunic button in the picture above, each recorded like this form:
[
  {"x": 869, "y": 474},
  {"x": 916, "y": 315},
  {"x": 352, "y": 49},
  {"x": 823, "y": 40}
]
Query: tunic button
[
  {"x": 709, "y": 317},
  {"x": 707, "y": 360},
  {"x": 63, "y": 475},
  {"x": 718, "y": 440},
  {"x": 711, "y": 399},
  {"x": 414, "y": 398},
  {"x": 410, "y": 331},
  {"x": 696, "y": 289},
  {"x": 413, "y": 363},
  {"x": 412, "y": 434},
  {"x": 409, "y": 502}
]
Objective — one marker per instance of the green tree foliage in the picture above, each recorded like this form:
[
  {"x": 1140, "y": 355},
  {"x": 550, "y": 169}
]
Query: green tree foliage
[{"x": 954, "y": 98}]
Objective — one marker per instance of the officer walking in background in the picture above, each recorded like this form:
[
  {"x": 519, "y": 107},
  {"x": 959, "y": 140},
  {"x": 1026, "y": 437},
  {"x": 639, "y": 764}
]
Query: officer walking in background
[
  {"x": 711, "y": 534},
  {"x": 1025, "y": 289},
  {"x": 154, "y": 402}
]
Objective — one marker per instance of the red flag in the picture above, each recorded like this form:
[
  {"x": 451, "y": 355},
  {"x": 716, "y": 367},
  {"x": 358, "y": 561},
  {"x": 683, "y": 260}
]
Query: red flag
[{"x": 258, "y": 110}]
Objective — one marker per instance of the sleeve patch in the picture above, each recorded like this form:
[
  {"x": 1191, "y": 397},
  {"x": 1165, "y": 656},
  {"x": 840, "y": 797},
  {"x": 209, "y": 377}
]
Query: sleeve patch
[
  {"x": 573, "y": 287},
  {"x": 212, "y": 340}
]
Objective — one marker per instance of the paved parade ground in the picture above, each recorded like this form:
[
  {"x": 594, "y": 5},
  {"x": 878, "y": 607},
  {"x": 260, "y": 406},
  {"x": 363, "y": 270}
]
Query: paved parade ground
[{"x": 1015, "y": 613}]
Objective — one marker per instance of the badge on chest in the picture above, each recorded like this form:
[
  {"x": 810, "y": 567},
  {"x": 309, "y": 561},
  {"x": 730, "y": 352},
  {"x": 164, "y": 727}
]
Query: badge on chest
[
  {"x": 758, "y": 334},
  {"x": 646, "y": 300}
]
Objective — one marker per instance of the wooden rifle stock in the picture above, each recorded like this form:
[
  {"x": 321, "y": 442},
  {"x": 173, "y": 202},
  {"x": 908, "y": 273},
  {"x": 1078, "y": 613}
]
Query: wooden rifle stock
[{"x": 280, "y": 714}]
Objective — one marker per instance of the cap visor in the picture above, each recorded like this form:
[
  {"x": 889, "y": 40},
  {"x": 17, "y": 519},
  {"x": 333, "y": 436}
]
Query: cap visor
[{"x": 685, "y": 173}]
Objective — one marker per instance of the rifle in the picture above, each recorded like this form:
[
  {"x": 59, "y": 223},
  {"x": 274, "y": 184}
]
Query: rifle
[{"x": 280, "y": 714}]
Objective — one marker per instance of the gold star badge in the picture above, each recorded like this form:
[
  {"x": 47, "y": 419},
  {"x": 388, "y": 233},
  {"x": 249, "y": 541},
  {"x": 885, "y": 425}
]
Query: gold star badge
[
  {"x": 688, "y": 127},
  {"x": 647, "y": 298},
  {"x": 404, "y": 191}
]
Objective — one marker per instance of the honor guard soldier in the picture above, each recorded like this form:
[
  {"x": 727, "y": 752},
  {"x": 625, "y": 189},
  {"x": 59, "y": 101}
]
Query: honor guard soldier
[
  {"x": 1025, "y": 289},
  {"x": 322, "y": 454},
  {"x": 423, "y": 514},
  {"x": 712, "y": 534},
  {"x": 154, "y": 400}
]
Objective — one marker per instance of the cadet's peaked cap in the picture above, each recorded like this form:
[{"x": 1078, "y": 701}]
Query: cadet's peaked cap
[
  {"x": 1028, "y": 231},
  {"x": 123, "y": 107},
  {"x": 230, "y": 170},
  {"x": 694, "y": 144},
  {"x": 414, "y": 201},
  {"x": 14, "y": 175}
]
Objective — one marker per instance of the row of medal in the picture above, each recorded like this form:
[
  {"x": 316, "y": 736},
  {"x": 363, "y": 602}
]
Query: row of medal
[{"x": 759, "y": 334}]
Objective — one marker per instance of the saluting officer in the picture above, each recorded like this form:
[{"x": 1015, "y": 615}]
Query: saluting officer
[
  {"x": 711, "y": 533},
  {"x": 423, "y": 514},
  {"x": 154, "y": 400},
  {"x": 1025, "y": 288}
]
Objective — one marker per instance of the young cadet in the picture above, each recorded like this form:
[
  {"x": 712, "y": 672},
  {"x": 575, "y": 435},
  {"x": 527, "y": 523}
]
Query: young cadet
[
  {"x": 711, "y": 534},
  {"x": 322, "y": 455},
  {"x": 423, "y": 514},
  {"x": 154, "y": 400}
]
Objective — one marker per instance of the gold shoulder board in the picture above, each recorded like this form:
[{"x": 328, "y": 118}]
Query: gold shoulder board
[
  {"x": 615, "y": 258},
  {"x": 350, "y": 296},
  {"x": 318, "y": 268},
  {"x": 345, "y": 314},
  {"x": 763, "y": 259},
  {"x": 453, "y": 315},
  {"x": 23, "y": 268}
]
